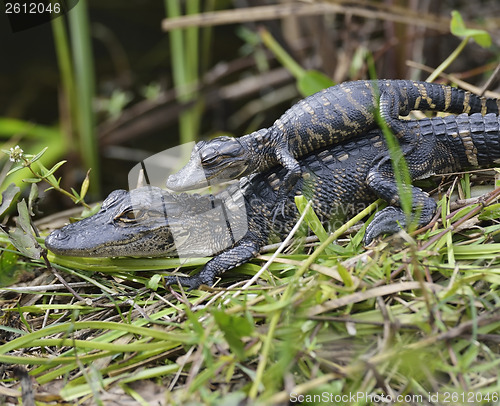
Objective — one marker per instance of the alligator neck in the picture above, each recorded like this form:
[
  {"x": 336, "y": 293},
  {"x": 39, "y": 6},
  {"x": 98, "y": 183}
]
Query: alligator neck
[{"x": 260, "y": 151}]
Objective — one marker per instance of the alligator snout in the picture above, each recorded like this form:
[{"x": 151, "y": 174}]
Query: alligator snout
[{"x": 55, "y": 238}]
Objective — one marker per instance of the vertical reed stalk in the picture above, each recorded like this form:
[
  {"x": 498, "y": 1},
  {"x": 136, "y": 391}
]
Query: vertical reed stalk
[
  {"x": 185, "y": 61},
  {"x": 84, "y": 91}
]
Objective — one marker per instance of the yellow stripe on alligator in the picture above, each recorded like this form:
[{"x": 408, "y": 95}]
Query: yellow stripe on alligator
[
  {"x": 423, "y": 91},
  {"x": 483, "y": 106},
  {"x": 470, "y": 148},
  {"x": 467, "y": 102},
  {"x": 447, "y": 97}
]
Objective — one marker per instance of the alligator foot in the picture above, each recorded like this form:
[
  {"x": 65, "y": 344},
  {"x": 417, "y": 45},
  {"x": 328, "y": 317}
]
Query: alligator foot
[
  {"x": 390, "y": 220},
  {"x": 190, "y": 282},
  {"x": 289, "y": 182},
  {"x": 279, "y": 209},
  {"x": 294, "y": 173},
  {"x": 387, "y": 221},
  {"x": 246, "y": 249}
]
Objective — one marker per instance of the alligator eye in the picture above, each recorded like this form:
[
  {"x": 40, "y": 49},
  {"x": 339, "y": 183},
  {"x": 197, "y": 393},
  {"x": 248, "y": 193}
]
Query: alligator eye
[
  {"x": 210, "y": 157},
  {"x": 130, "y": 216}
]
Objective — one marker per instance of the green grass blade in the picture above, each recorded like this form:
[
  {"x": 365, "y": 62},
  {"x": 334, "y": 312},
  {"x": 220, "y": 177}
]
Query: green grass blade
[{"x": 85, "y": 88}]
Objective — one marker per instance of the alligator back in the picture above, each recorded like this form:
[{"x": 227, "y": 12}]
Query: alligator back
[
  {"x": 347, "y": 110},
  {"x": 327, "y": 118},
  {"x": 338, "y": 179}
]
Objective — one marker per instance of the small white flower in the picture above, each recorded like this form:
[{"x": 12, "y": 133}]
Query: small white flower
[{"x": 16, "y": 154}]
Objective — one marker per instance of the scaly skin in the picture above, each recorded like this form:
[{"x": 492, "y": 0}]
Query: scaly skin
[
  {"x": 326, "y": 118},
  {"x": 340, "y": 180}
]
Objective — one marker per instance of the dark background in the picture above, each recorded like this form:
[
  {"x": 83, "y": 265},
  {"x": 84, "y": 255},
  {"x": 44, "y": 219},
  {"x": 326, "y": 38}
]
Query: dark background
[{"x": 131, "y": 51}]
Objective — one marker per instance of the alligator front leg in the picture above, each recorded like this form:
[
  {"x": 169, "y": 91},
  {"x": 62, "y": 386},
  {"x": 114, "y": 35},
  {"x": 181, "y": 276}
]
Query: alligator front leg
[
  {"x": 391, "y": 219},
  {"x": 242, "y": 252},
  {"x": 294, "y": 173}
]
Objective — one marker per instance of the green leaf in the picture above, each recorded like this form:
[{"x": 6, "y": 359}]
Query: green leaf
[
  {"x": 24, "y": 219},
  {"x": 8, "y": 197},
  {"x": 116, "y": 102},
  {"x": 462, "y": 212},
  {"x": 31, "y": 180},
  {"x": 39, "y": 155},
  {"x": 457, "y": 25},
  {"x": 234, "y": 328},
  {"x": 85, "y": 186},
  {"x": 9, "y": 268},
  {"x": 311, "y": 218},
  {"x": 491, "y": 212},
  {"x": 313, "y": 222},
  {"x": 345, "y": 275},
  {"x": 44, "y": 172},
  {"x": 458, "y": 28},
  {"x": 54, "y": 168},
  {"x": 312, "y": 82},
  {"x": 25, "y": 243},
  {"x": 474, "y": 252},
  {"x": 15, "y": 169},
  {"x": 153, "y": 283},
  {"x": 86, "y": 213},
  {"x": 75, "y": 193},
  {"x": 32, "y": 198},
  {"x": 22, "y": 237},
  {"x": 90, "y": 212}
]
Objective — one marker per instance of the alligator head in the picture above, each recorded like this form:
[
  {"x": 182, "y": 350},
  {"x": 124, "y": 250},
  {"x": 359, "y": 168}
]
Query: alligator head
[
  {"x": 151, "y": 222},
  {"x": 218, "y": 160}
]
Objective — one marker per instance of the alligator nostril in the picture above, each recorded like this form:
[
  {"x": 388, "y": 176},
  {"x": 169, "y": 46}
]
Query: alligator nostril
[
  {"x": 56, "y": 235},
  {"x": 172, "y": 180}
]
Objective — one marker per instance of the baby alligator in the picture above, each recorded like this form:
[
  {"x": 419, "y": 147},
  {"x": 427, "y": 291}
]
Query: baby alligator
[
  {"x": 340, "y": 180},
  {"x": 326, "y": 118}
]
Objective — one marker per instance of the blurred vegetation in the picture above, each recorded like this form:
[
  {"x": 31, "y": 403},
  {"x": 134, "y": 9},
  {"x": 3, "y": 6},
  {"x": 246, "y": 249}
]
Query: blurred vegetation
[
  {"x": 115, "y": 82},
  {"x": 113, "y": 88}
]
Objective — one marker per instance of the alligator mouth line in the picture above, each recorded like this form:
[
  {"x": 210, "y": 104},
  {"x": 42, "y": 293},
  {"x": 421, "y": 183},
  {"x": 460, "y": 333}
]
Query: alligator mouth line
[{"x": 92, "y": 250}]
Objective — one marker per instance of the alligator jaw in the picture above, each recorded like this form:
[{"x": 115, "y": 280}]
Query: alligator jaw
[
  {"x": 219, "y": 160},
  {"x": 116, "y": 231},
  {"x": 62, "y": 242},
  {"x": 150, "y": 222}
]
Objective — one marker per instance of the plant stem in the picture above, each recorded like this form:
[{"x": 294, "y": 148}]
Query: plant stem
[
  {"x": 66, "y": 69},
  {"x": 85, "y": 88},
  {"x": 447, "y": 62},
  {"x": 184, "y": 45},
  {"x": 53, "y": 185},
  {"x": 285, "y": 59}
]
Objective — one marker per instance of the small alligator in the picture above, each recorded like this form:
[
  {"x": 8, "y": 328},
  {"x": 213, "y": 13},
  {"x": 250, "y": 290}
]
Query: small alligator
[
  {"x": 340, "y": 180},
  {"x": 326, "y": 118}
]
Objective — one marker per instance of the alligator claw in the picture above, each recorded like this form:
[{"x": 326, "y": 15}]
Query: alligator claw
[
  {"x": 387, "y": 221},
  {"x": 190, "y": 282},
  {"x": 279, "y": 209}
]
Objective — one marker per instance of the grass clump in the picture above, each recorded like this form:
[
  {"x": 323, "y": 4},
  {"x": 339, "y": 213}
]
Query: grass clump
[{"x": 413, "y": 321}]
